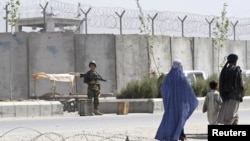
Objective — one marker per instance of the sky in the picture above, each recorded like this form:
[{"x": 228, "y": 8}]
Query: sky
[{"x": 235, "y": 8}]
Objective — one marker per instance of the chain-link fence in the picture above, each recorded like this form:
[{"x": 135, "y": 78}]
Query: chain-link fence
[{"x": 125, "y": 21}]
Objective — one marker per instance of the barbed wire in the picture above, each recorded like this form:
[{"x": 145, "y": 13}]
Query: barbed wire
[
  {"x": 34, "y": 135},
  {"x": 166, "y": 23}
]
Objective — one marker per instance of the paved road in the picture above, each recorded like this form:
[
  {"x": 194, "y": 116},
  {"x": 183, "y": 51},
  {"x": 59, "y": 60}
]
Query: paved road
[{"x": 109, "y": 127}]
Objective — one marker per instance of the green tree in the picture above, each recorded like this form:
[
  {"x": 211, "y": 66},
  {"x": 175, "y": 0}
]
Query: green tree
[
  {"x": 221, "y": 33},
  {"x": 12, "y": 9},
  {"x": 144, "y": 29}
]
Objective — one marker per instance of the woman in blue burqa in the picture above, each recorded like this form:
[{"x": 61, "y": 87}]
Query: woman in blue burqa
[{"x": 179, "y": 103}]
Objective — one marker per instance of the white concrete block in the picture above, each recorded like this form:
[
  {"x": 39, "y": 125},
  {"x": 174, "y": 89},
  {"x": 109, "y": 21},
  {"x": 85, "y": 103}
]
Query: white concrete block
[
  {"x": 158, "y": 105},
  {"x": 21, "y": 109},
  {"x": 46, "y": 108},
  {"x": 33, "y": 109},
  {"x": 57, "y": 108},
  {"x": 108, "y": 106},
  {"x": 7, "y": 109}
]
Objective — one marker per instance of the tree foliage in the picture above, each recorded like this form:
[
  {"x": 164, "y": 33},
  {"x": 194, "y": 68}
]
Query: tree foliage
[
  {"x": 221, "y": 33},
  {"x": 12, "y": 9},
  {"x": 222, "y": 27},
  {"x": 144, "y": 29}
]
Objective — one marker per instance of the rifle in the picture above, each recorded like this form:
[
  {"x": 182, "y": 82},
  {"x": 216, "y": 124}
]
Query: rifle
[{"x": 95, "y": 77}]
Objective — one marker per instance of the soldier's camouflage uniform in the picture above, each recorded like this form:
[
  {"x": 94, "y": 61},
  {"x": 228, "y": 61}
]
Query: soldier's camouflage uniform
[{"x": 93, "y": 89}]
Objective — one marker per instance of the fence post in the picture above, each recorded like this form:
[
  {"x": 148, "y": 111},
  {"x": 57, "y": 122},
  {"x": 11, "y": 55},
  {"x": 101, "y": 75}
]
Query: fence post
[
  {"x": 44, "y": 15},
  {"x": 182, "y": 24},
  {"x": 152, "y": 19},
  {"x": 234, "y": 28},
  {"x": 79, "y": 29},
  {"x": 120, "y": 18},
  {"x": 209, "y": 23},
  {"x": 86, "y": 19}
]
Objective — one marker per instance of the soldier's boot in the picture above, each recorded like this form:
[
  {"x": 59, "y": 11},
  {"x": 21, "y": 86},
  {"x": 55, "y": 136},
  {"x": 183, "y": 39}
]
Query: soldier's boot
[{"x": 97, "y": 112}]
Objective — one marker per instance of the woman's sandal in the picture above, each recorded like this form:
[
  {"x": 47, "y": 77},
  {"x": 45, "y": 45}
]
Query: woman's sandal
[{"x": 183, "y": 138}]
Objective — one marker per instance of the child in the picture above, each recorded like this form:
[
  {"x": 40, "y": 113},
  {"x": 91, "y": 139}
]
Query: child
[{"x": 212, "y": 103}]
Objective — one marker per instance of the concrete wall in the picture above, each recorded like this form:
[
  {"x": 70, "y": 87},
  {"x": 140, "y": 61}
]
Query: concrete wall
[
  {"x": 50, "y": 53},
  {"x": 247, "y": 54},
  {"x": 183, "y": 49},
  {"x": 13, "y": 66},
  {"x": 131, "y": 58},
  {"x": 160, "y": 55},
  {"x": 240, "y": 49},
  {"x": 120, "y": 59},
  {"x": 237, "y": 47},
  {"x": 203, "y": 54},
  {"x": 100, "y": 48}
]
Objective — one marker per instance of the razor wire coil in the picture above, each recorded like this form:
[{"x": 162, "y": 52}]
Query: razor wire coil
[{"x": 105, "y": 17}]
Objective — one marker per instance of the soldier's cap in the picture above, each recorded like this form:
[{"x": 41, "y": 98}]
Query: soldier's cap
[
  {"x": 92, "y": 62},
  {"x": 232, "y": 58}
]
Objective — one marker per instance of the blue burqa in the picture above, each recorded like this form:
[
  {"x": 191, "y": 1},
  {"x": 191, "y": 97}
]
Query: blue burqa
[{"x": 179, "y": 103}]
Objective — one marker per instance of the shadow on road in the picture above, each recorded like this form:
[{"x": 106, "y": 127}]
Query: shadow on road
[{"x": 197, "y": 136}]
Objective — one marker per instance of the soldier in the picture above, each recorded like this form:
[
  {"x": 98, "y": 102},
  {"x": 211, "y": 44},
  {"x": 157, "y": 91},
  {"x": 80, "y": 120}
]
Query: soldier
[{"x": 92, "y": 79}]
